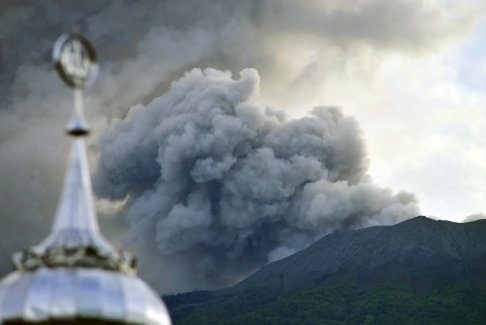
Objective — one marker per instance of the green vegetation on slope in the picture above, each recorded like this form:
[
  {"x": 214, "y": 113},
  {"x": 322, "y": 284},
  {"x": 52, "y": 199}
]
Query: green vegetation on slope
[{"x": 347, "y": 304}]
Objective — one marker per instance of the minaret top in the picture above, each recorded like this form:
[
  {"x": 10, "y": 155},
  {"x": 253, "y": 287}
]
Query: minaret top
[
  {"x": 75, "y": 276},
  {"x": 76, "y": 225}
]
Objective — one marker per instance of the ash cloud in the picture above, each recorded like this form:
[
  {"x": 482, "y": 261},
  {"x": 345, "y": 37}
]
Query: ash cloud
[
  {"x": 210, "y": 176},
  {"x": 474, "y": 217},
  {"x": 144, "y": 45}
]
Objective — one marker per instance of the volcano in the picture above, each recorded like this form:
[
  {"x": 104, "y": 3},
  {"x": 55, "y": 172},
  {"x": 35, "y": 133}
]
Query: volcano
[{"x": 420, "y": 255}]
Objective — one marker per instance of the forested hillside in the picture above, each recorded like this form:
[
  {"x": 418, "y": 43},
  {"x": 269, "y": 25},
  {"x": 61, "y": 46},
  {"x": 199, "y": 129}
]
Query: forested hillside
[{"x": 348, "y": 304}]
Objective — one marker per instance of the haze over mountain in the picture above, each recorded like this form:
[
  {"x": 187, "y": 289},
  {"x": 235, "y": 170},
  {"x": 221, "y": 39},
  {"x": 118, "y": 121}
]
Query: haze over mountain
[{"x": 420, "y": 254}]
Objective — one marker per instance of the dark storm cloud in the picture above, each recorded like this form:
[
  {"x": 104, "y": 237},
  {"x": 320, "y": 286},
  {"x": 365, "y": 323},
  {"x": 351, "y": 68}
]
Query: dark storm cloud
[{"x": 142, "y": 46}]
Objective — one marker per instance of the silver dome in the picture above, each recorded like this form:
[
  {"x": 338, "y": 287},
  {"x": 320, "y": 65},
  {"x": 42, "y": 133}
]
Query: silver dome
[{"x": 69, "y": 294}]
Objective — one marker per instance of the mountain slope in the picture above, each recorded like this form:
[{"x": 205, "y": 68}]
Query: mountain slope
[
  {"x": 420, "y": 255},
  {"x": 421, "y": 252}
]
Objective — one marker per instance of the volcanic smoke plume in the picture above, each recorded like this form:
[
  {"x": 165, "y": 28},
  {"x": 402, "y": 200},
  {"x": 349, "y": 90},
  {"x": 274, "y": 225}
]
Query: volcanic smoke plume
[{"x": 226, "y": 186}]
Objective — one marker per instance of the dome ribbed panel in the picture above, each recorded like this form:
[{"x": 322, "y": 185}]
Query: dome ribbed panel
[
  {"x": 39, "y": 296},
  {"x": 90, "y": 292},
  {"x": 15, "y": 293},
  {"x": 113, "y": 298}
]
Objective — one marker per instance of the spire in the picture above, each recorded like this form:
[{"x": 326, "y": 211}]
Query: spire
[{"x": 75, "y": 239}]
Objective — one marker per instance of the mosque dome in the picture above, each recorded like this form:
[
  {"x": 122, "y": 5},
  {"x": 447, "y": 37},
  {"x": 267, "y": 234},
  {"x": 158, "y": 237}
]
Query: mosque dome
[
  {"x": 76, "y": 276},
  {"x": 78, "y": 295}
]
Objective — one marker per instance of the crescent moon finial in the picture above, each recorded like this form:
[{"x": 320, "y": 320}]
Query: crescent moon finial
[{"x": 75, "y": 61}]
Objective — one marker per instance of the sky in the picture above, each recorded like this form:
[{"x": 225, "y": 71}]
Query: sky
[{"x": 406, "y": 81}]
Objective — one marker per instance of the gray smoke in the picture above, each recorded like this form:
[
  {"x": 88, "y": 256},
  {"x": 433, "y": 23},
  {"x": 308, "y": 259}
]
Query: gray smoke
[
  {"x": 208, "y": 175},
  {"x": 474, "y": 217},
  {"x": 142, "y": 45}
]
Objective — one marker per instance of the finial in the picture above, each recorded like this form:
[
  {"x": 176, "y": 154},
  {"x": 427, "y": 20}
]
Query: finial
[
  {"x": 75, "y": 239},
  {"x": 75, "y": 61}
]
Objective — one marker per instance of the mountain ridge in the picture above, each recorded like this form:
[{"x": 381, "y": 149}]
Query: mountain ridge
[{"x": 420, "y": 253}]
